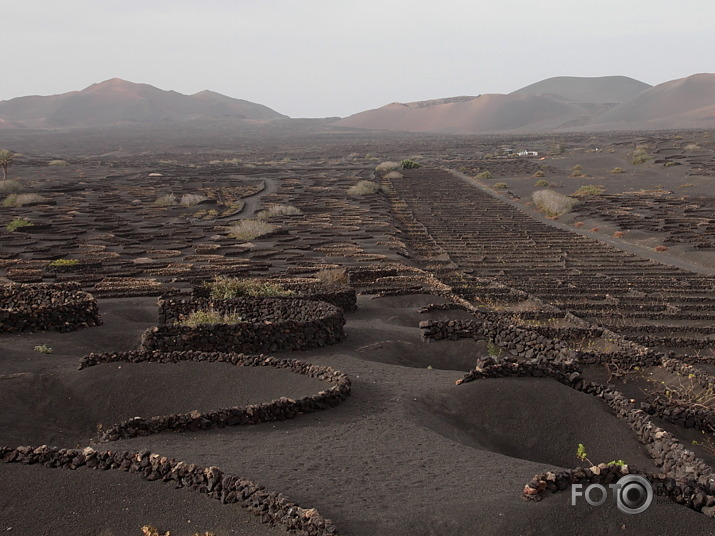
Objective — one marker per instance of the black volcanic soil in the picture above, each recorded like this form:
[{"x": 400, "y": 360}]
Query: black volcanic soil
[{"x": 409, "y": 453}]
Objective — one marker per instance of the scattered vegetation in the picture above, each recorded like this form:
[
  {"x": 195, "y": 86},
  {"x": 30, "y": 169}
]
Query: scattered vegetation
[
  {"x": 64, "y": 262},
  {"x": 388, "y": 166},
  {"x": 223, "y": 287},
  {"x": 279, "y": 210},
  {"x": 640, "y": 155},
  {"x": 10, "y": 186},
  {"x": 189, "y": 200},
  {"x": 250, "y": 229},
  {"x": 43, "y": 349},
  {"x": 409, "y": 164},
  {"x": 58, "y": 163},
  {"x": 6, "y": 157},
  {"x": 617, "y": 170},
  {"x": 19, "y": 200},
  {"x": 541, "y": 183},
  {"x": 553, "y": 203},
  {"x": 18, "y": 223},
  {"x": 210, "y": 316},
  {"x": 539, "y": 173},
  {"x": 589, "y": 189},
  {"x": 500, "y": 185},
  {"x": 333, "y": 276},
  {"x": 364, "y": 188},
  {"x": 484, "y": 175}
]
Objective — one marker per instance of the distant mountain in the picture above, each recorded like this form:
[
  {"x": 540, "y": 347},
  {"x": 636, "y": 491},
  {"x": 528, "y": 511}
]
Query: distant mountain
[
  {"x": 486, "y": 113},
  {"x": 558, "y": 104},
  {"x": 684, "y": 103},
  {"x": 117, "y": 101},
  {"x": 602, "y": 89}
]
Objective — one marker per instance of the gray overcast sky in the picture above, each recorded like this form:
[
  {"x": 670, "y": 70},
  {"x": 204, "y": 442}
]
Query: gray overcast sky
[{"x": 319, "y": 58}]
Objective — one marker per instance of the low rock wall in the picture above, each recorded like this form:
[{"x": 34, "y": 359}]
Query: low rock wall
[
  {"x": 267, "y": 325},
  {"x": 273, "y": 508},
  {"x": 51, "y": 306},
  {"x": 276, "y": 410}
]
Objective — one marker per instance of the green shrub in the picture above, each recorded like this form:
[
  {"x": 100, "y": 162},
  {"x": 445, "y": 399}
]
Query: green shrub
[
  {"x": 618, "y": 170},
  {"x": 64, "y": 262},
  {"x": 539, "y": 173},
  {"x": 589, "y": 189},
  {"x": 669, "y": 163},
  {"x": 640, "y": 155},
  {"x": 223, "y": 287},
  {"x": 43, "y": 349},
  {"x": 500, "y": 185},
  {"x": 198, "y": 318},
  {"x": 58, "y": 163},
  {"x": 364, "y": 188},
  {"x": 409, "y": 164},
  {"x": 18, "y": 223},
  {"x": 279, "y": 210},
  {"x": 484, "y": 175},
  {"x": 19, "y": 200},
  {"x": 541, "y": 183},
  {"x": 552, "y": 203},
  {"x": 10, "y": 186},
  {"x": 250, "y": 229}
]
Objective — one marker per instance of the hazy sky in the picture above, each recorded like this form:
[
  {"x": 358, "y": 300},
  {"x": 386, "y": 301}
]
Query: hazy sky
[{"x": 320, "y": 58}]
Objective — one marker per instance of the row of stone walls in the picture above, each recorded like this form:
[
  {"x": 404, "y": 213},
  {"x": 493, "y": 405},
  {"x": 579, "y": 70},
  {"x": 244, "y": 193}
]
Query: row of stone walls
[
  {"x": 272, "y": 507},
  {"x": 338, "y": 389},
  {"x": 678, "y": 463},
  {"x": 51, "y": 306}
]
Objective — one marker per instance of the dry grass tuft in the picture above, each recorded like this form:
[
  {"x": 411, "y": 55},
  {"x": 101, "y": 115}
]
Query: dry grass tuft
[
  {"x": 250, "y": 229},
  {"x": 553, "y": 203}
]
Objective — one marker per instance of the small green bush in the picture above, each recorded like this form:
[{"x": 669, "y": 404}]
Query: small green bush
[
  {"x": 500, "y": 185},
  {"x": 552, "y": 203},
  {"x": 19, "y": 200},
  {"x": 223, "y": 288},
  {"x": 589, "y": 189},
  {"x": 539, "y": 173},
  {"x": 669, "y": 163},
  {"x": 18, "y": 223},
  {"x": 198, "y": 318},
  {"x": 43, "y": 349},
  {"x": 250, "y": 229},
  {"x": 10, "y": 186},
  {"x": 364, "y": 188},
  {"x": 484, "y": 175},
  {"x": 409, "y": 164},
  {"x": 617, "y": 170},
  {"x": 541, "y": 183},
  {"x": 64, "y": 262},
  {"x": 640, "y": 155},
  {"x": 58, "y": 163}
]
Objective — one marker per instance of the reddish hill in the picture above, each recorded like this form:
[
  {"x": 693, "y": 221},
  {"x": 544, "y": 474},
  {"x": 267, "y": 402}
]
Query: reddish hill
[
  {"x": 684, "y": 103},
  {"x": 117, "y": 101},
  {"x": 486, "y": 113}
]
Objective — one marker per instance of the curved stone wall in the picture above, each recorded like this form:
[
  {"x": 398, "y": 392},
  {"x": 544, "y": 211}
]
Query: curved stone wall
[
  {"x": 50, "y": 306},
  {"x": 268, "y": 325},
  {"x": 276, "y": 410}
]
